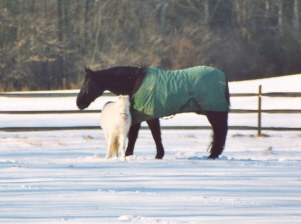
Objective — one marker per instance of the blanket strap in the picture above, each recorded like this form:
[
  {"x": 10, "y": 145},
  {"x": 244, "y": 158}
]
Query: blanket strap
[
  {"x": 185, "y": 105},
  {"x": 191, "y": 93}
]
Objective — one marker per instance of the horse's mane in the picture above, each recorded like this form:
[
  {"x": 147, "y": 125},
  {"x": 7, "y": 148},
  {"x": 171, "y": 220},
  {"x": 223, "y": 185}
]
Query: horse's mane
[
  {"x": 142, "y": 70},
  {"x": 142, "y": 65},
  {"x": 138, "y": 72}
]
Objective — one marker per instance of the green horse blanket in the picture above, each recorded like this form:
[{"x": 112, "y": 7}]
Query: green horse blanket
[{"x": 164, "y": 93}]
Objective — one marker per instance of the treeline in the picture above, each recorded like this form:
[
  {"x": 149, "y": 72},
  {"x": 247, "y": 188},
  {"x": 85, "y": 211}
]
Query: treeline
[{"x": 45, "y": 44}]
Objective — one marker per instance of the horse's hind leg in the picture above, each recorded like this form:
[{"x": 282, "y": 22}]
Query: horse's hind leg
[
  {"x": 154, "y": 126},
  {"x": 133, "y": 134},
  {"x": 219, "y": 122}
]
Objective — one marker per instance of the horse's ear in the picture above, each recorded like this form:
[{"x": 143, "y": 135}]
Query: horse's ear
[{"x": 88, "y": 71}]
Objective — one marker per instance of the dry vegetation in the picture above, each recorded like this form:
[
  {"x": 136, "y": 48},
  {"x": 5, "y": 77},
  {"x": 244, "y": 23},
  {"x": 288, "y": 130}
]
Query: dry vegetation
[{"x": 45, "y": 44}]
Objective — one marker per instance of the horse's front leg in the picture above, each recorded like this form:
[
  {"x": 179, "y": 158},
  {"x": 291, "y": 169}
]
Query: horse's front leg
[
  {"x": 122, "y": 139},
  {"x": 110, "y": 146},
  {"x": 154, "y": 126},
  {"x": 133, "y": 135}
]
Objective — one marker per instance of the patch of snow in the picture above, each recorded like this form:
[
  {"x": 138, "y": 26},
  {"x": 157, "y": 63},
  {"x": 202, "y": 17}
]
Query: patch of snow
[{"x": 63, "y": 176}]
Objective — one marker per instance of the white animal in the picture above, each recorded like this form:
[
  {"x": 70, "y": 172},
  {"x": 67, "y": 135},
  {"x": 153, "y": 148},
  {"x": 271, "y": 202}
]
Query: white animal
[{"x": 116, "y": 121}]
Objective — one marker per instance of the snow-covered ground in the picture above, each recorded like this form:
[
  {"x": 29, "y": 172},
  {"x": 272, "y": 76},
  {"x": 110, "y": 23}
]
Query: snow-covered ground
[{"x": 62, "y": 176}]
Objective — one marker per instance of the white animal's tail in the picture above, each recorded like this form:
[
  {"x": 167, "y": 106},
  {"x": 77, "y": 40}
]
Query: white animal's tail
[{"x": 116, "y": 121}]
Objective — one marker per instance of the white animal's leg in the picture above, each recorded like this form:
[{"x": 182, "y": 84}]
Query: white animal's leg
[
  {"x": 116, "y": 148},
  {"x": 110, "y": 144},
  {"x": 122, "y": 138},
  {"x": 109, "y": 154},
  {"x": 107, "y": 136}
]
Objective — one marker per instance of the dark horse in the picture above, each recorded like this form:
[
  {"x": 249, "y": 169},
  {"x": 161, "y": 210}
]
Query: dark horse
[{"x": 126, "y": 81}]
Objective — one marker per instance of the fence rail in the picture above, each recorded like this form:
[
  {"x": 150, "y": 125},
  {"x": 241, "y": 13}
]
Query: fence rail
[
  {"x": 17, "y": 129},
  {"x": 234, "y": 111},
  {"x": 259, "y": 111},
  {"x": 47, "y": 94}
]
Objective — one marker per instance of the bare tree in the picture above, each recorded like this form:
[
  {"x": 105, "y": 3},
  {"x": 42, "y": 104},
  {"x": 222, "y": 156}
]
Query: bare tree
[
  {"x": 45, "y": 44},
  {"x": 296, "y": 18},
  {"x": 60, "y": 74},
  {"x": 163, "y": 10},
  {"x": 280, "y": 16}
]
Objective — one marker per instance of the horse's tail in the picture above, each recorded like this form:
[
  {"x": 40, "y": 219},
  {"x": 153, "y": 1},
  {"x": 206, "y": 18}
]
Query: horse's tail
[{"x": 227, "y": 92}]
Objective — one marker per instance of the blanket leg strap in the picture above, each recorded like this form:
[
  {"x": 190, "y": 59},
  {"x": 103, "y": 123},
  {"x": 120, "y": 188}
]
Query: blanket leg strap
[{"x": 192, "y": 99}]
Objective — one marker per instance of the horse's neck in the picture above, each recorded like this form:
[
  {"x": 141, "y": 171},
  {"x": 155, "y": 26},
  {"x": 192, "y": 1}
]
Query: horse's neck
[{"x": 121, "y": 80}]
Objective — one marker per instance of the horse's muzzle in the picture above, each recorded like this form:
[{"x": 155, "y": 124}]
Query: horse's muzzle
[
  {"x": 124, "y": 116},
  {"x": 82, "y": 107}
]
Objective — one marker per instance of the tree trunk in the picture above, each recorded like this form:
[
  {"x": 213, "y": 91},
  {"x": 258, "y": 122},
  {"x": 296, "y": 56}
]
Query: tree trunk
[
  {"x": 68, "y": 42},
  {"x": 280, "y": 16},
  {"x": 296, "y": 23},
  {"x": 97, "y": 34},
  {"x": 163, "y": 15},
  {"x": 85, "y": 42},
  {"x": 206, "y": 8},
  {"x": 60, "y": 75}
]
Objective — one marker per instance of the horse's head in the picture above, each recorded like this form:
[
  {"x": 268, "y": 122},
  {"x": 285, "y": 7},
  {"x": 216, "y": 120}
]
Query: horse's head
[
  {"x": 89, "y": 91},
  {"x": 123, "y": 105}
]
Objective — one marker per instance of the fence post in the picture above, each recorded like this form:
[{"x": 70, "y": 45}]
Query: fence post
[{"x": 259, "y": 111}]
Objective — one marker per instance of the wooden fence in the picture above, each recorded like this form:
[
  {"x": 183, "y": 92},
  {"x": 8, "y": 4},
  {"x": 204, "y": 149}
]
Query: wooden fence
[{"x": 258, "y": 111}]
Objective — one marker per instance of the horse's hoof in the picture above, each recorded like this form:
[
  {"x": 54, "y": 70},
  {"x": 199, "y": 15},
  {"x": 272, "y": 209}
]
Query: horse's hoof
[
  {"x": 212, "y": 156},
  {"x": 158, "y": 156},
  {"x": 128, "y": 154}
]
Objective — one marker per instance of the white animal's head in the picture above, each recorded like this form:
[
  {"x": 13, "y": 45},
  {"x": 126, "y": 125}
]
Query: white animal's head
[{"x": 123, "y": 105}]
